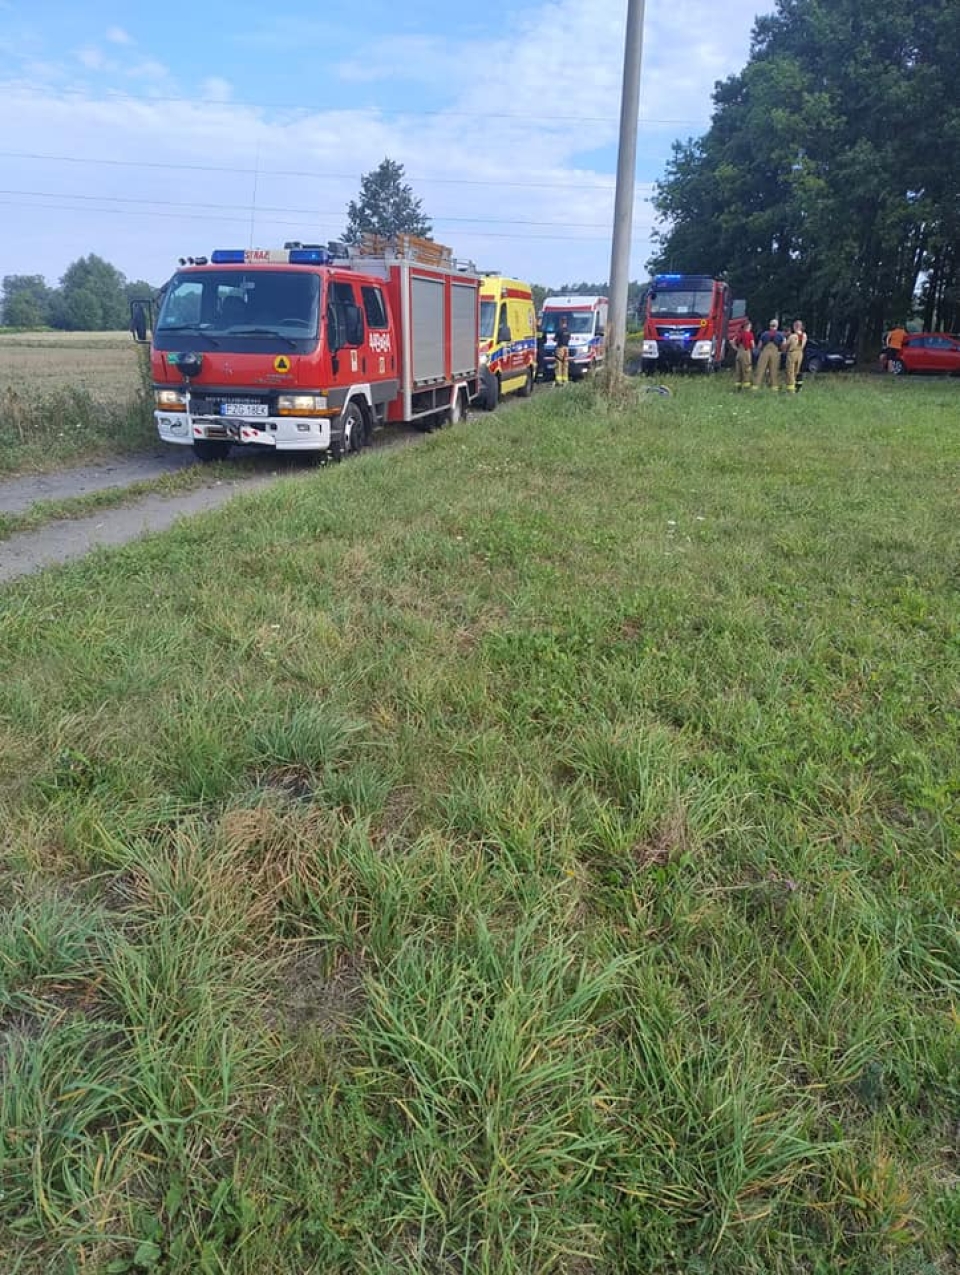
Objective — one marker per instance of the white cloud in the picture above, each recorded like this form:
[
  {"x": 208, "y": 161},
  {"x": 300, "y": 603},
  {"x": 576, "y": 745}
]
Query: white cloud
[
  {"x": 92, "y": 58},
  {"x": 516, "y": 172},
  {"x": 117, "y": 35},
  {"x": 216, "y": 89},
  {"x": 152, "y": 75},
  {"x": 425, "y": 58}
]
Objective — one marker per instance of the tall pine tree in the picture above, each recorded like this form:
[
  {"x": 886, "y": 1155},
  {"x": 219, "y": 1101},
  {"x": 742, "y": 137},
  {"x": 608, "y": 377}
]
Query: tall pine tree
[{"x": 386, "y": 206}]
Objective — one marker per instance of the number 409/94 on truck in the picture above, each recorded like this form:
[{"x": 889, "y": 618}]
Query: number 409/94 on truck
[{"x": 298, "y": 349}]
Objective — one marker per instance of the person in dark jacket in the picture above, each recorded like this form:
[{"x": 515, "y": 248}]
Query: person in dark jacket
[{"x": 767, "y": 370}]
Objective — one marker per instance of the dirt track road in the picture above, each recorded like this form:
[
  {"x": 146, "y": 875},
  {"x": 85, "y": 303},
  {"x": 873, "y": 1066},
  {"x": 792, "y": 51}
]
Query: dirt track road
[
  {"x": 18, "y": 494},
  {"x": 64, "y": 540}
]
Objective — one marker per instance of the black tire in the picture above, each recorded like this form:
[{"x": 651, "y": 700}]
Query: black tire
[
  {"x": 349, "y": 434},
  {"x": 489, "y": 390},
  {"x": 527, "y": 389},
  {"x": 208, "y": 449},
  {"x": 458, "y": 409},
  {"x": 354, "y": 428},
  {"x": 814, "y": 366}
]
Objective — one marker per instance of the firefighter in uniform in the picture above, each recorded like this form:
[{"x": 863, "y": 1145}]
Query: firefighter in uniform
[
  {"x": 796, "y": 342},
  {"x": 744, "y": 361},
  {"x": 768, "y": 364},
  {"x": 562, "y": 354}
]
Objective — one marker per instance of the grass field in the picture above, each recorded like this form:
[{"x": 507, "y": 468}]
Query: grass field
[
  {"x": 532, "y": 851},
  {"x": 104, "y": 364},
  {"x": 69, "y": 396}
]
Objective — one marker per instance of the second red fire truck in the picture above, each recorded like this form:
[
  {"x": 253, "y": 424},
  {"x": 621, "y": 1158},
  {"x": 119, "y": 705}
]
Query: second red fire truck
[{"x": 689, "y": 322}]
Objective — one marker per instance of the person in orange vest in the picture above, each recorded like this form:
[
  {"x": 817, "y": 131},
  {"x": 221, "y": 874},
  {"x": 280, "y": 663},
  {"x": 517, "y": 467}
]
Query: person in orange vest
[
  {"x": 743, "y": 365},
  {"x": 894, "y": 344},
  {"x": 768, "y": 364},
  {"x": 795, "y": 344}
]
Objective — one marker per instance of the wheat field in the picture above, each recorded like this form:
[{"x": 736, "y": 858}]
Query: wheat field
[{"x": 104, "y": 364}]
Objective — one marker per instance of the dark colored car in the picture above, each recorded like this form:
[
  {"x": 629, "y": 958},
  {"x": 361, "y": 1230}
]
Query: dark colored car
[
  {"x": 821, "y": 356},
  {"x": 928, "y": 352}
]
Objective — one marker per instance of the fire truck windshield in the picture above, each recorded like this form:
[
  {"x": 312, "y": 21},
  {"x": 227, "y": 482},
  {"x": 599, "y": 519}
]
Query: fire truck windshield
[
  {"x": 673, "y": 304},
  {"x": 256, "y": 304}
]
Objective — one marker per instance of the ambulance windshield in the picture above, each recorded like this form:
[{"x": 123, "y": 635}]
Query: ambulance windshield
[
  {"x": 696, "y": 304},
  {"x": 488, "y": 317},
  {"x": 579, "y": 322},
  {"x": 236, "y": 303}
]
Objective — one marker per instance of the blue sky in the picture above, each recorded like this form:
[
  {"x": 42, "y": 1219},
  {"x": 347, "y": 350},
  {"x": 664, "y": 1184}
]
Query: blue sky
[{"x": 144, "y": 133}]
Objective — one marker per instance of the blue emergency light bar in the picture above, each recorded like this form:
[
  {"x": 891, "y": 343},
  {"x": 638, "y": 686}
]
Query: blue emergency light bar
[
  {"x": 310, "y": 257},
  {"x": 274, "y": 256}
]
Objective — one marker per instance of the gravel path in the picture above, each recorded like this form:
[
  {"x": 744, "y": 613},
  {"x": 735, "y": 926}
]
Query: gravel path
[
  {"x": 18, "y": 494},
  {"x": 66, "y": 539},
  {"x": 71, "y": 538}
]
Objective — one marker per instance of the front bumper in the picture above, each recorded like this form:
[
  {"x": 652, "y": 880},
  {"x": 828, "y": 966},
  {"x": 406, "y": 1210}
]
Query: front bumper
[
  {"x": 282, "y": 433},
  {"x": 669, "y": 355}
]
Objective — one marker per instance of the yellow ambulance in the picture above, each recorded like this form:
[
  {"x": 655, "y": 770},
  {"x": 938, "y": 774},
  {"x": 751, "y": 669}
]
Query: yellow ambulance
[{"x": 508, "y": 339}]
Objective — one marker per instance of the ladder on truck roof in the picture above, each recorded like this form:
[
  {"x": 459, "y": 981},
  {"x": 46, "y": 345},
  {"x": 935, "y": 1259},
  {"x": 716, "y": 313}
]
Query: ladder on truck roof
[{"x": 412, "y": 249}]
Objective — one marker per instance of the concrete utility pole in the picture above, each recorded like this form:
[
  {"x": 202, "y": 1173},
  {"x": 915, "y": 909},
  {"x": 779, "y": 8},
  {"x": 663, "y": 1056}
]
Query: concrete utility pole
[{"x": 626, "y": 181}]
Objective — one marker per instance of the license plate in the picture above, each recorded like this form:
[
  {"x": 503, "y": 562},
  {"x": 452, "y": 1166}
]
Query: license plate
[{"x": 244, "y": 409}]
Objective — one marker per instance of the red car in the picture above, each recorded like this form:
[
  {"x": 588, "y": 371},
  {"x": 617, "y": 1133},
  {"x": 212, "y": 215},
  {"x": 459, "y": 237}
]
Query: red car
[{"x": 928, "y": 352}]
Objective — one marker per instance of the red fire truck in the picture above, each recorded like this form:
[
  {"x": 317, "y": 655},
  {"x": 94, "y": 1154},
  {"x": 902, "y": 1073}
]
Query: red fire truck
[
  {"x": 689, "y": 321},
  {"x": 302, "y": 349}
]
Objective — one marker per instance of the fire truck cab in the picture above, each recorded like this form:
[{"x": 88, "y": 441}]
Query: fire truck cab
[{"x": 689, "y": 321}]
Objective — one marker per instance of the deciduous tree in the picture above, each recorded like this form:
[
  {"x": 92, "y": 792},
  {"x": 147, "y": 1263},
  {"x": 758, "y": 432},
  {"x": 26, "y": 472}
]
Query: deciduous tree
[
  {"x": 26, "y": 301},
  {"x": 828, "y": 185},
  {"x": 91, "y": 297}
]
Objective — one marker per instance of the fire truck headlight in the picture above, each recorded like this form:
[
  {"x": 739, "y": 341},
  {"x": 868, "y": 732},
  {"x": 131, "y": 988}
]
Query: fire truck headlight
[
  {"x": 484, "y": 360},
  {"x": 301, "y": 405},
  {"x": 650, "y": 350},
  {"x": 702, "y": 350},
  {"x": 171, "y": 400}
]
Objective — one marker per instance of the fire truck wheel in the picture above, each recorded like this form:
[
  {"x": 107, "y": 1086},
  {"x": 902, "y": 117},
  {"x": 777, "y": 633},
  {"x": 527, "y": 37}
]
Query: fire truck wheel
[
  {"x": 353, "y": 430},
  {"x": 490, "y": 390},
  {"x": 528, "y": 384},
  {"x": 207, "y": 449},
  {"x": 458, "y": 411}
]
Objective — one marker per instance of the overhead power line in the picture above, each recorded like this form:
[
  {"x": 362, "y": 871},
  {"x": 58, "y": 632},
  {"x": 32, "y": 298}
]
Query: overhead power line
[
  {"x": 302, "y": 212},
  {"x": 66, "y": 95},
  {"x": 574, "y": 184},
  {"x": 331, "y": 232}
]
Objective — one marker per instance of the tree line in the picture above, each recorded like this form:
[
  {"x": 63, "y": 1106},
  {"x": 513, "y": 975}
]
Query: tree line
[
  {"x": 828, "y": 183},
  {"x": 92, "y": 296}
]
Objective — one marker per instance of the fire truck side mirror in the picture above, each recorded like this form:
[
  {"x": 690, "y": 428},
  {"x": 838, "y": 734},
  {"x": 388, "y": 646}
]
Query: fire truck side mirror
[{"x": 140, "y": 320}]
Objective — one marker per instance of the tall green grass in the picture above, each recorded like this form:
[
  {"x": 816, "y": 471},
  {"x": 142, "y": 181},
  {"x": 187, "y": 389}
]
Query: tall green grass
[
  {"x": 41, "y": 429},
  {"x": 531, "y": 851}
]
